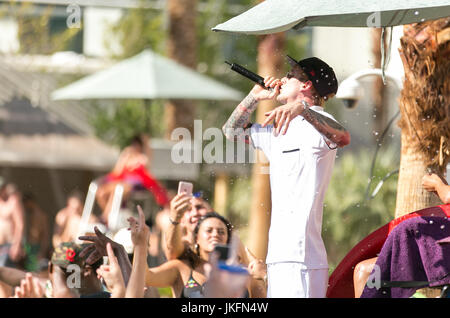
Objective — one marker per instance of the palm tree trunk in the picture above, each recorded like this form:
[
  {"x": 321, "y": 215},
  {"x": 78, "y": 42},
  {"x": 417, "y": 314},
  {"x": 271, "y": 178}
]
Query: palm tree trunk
[
  {"x": 425, "y": 111},
  {"x": 181, "y": 47},
  {"x": 271, "y": 61}
]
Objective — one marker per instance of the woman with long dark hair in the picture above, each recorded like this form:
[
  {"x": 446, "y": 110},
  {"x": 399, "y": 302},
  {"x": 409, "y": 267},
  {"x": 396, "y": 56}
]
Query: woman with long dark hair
[{"x": 186, "y": 276}]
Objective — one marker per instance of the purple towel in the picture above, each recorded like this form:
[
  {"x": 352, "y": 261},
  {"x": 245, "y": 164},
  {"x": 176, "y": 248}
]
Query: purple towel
[{"x": 411, "y": 253}]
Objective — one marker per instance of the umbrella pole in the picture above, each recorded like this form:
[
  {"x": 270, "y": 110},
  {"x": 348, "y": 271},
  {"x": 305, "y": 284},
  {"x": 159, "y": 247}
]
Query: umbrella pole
[{"x": 147, "y": 117}]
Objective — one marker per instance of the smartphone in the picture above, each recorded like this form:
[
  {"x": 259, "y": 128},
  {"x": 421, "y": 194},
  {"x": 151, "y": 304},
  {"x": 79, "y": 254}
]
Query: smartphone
[
  {"x": 185, "y": 187},
  {"x": 223, "y": 251}
]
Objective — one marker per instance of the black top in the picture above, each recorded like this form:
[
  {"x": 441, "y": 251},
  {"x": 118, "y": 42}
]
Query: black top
[{"x": 192, "y": 289}]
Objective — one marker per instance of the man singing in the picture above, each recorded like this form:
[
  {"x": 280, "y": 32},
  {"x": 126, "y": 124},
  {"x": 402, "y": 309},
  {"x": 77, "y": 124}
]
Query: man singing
[{"x": 301, "y": 162}]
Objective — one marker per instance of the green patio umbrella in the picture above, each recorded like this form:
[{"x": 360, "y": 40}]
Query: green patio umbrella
[
  {"x": 147, "y": 76},
  {"x": 272, "y": 16}
]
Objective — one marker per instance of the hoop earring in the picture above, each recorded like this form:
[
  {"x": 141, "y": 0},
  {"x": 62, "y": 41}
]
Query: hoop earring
[{"x": 197, "y": 249}]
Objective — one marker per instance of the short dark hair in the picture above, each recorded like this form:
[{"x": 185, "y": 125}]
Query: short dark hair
[
  {"x": 137, "y": 139},
  {"x": 77, "y": 194}
]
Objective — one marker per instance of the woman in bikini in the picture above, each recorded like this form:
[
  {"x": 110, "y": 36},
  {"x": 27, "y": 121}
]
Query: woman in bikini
[{"x": 186, "y": 276}]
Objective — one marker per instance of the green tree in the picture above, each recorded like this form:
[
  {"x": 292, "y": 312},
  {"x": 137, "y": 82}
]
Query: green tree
[
  {"x": 37, "y": 33},
  {"x": 348, "y": 216}
]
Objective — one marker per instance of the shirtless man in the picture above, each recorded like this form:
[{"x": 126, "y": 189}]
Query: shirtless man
[
  {"x": 11, "y": 230},
  {"x": 67, "y": 220},
  {"x": 11, "y": 225}
]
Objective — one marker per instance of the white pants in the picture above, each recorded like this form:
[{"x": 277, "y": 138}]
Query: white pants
[{"x": 292, "y": 280}]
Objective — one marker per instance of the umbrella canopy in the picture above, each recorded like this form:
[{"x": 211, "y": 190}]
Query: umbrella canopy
[
  {"x": 147, "y": 76},
  {"x": 272, "y": 16}
]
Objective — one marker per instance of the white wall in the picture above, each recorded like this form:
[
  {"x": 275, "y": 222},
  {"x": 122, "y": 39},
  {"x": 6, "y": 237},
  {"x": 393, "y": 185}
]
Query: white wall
[
  {"x": 9, "y": 41},
  {"x": 349, "y": 50},
  {"x": 96, "y": 23}
]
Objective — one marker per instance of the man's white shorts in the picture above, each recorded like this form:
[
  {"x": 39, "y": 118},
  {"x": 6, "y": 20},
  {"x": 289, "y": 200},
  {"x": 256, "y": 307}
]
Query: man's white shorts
[{"x": 292, "y": 280}]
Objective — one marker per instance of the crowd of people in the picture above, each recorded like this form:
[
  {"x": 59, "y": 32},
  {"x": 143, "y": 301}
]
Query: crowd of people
[
  {"x": 189, "y": 229},
  {"x": 37, "y": 261},
  {"x": 201, "y": 255}
]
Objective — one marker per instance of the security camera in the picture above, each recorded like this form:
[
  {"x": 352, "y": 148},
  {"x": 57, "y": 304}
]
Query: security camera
[
  {"x": 350, "y": 92},
  {"x": 350, "y": 102}
]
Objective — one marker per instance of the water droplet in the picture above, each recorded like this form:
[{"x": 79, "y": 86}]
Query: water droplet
[
  {"x": 442, "y": 227},
  {"x": 375, "y": 133},
  {"x": 431, "y": 222},
  {"x": 422, "y": 20},
  {"x": 416, "y": 12}
]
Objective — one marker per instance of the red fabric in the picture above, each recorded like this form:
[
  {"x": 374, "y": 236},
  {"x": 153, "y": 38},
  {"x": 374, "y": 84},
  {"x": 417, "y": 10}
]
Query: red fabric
[
  {"x": 144, "y": 178},
  {"x": 340, "y": 284}
]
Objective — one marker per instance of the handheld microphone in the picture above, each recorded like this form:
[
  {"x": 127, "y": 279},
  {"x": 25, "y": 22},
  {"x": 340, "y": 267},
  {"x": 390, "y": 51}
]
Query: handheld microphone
[{"x": 249, "y": 74}]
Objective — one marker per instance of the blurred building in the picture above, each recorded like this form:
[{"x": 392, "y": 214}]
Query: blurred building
[{"x": 46, "y": 147}]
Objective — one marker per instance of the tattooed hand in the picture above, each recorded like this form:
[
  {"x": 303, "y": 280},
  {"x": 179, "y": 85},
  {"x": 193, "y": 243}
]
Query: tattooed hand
[{"x": 260, "y": 93}]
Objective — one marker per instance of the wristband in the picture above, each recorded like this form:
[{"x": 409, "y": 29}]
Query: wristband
[{"x": 173, "y": 222}]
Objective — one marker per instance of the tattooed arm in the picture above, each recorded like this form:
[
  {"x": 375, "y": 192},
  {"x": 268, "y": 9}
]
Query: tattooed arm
[
  {"x": 330, "y": 129},
  {"x": 236, "y": 127}
]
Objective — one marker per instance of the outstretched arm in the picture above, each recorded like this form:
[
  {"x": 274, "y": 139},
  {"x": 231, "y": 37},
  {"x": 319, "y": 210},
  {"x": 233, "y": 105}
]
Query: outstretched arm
[
  {"x": 93, "y": 252},
  {"x": 434, "y": 183},
  {"x": 173, "y": 244}
]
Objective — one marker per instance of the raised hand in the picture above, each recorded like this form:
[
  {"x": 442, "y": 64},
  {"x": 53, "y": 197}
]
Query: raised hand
[
  {"x": 140, "y": 233},
  {"x": 256, "y": 267},
  {"x": 282, "y": 116},
  {"x": 260, "y": 93},
  {"x": 112, "y": 274},
  {"x": 179, "y": 204},
  {"x": 97, "y": 250},
  {"x": 430, "y": 182},
  {"x": 29, "y": 288}
]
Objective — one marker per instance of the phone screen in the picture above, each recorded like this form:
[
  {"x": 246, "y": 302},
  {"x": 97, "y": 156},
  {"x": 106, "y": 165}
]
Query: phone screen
[
  {"x": 223, "y": 251},
  {"x": 185, "y": 187}
]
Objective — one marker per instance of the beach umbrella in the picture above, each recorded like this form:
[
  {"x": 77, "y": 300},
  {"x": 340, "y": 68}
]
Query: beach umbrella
[
  {"x": 147, "y": 76},
  {"x": 272, "y": 16}
]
